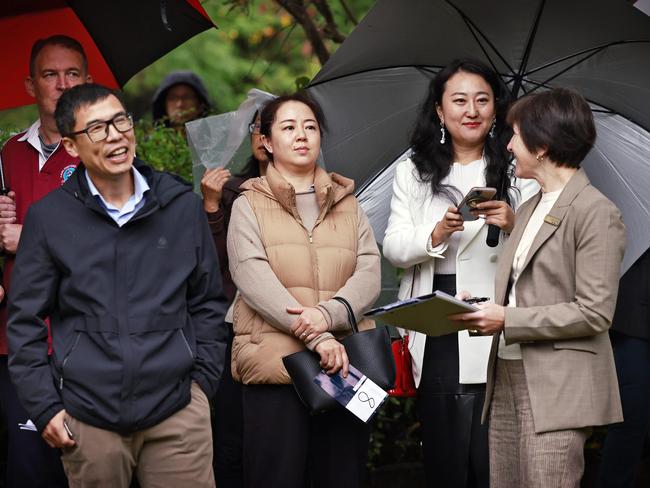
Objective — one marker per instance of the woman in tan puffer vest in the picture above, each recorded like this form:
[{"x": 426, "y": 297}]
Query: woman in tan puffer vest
[{"x": 297, "y": 238}]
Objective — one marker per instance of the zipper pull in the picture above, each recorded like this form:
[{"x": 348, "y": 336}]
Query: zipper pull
[
  {"x": 310, "y": 238},
  {"x": 61, "y": 383}
]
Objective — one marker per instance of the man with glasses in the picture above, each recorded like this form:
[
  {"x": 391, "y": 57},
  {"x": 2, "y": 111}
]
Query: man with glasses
[
  {"x": 34, "y": 163},
  {"x": 122, "y": 261}
]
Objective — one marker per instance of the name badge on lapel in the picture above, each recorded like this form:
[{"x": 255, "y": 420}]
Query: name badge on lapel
[{"x": 549, "y": 219}]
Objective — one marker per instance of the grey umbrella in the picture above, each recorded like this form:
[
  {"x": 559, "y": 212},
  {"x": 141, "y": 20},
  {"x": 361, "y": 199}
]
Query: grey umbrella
[{"x": 372, "y": 86}]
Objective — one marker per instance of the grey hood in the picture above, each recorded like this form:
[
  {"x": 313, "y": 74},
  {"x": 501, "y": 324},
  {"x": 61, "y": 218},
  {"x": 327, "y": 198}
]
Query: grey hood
[{"x": 178, "y": 78}]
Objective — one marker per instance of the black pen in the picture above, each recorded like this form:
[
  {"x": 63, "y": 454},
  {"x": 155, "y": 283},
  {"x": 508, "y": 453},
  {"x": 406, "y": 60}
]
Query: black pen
[{"x": 473, "y": 300}]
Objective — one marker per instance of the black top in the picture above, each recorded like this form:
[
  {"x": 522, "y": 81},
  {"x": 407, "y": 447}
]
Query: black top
[{"x": 632, "y": 316}]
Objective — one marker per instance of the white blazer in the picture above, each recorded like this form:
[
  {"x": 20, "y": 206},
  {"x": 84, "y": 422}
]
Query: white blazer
[{"x": 407, "y": 245}]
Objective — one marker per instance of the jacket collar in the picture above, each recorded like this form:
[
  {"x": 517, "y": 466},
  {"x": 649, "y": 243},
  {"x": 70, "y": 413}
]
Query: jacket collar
[
  {"x": 329, "y": 188},
  {"x": 163, "y": 188},
  {"x": 553, "y": 220}
]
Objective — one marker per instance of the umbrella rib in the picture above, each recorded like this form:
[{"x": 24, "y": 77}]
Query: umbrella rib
[
  {"x": 591, "y": 50},
  {"x": 473, "y": 28},
  {"x": 603, "y": 108},
  {"x": 371, "y": 180},
  {"x": 594, "y": 51},
  {"x": 429, "y": 68},
  {"x": 622, "y": 179},
  {"x": 529, "y": 46},
  {"x": 376, "y": 176}
]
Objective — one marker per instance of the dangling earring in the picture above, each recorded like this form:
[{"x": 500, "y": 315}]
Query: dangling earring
[
  {"x": 493, "y": 128},
  {"x": 442, "y": 132}
]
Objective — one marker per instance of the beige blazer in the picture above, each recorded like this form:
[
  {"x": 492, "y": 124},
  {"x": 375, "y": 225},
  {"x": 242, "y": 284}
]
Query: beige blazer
[{"x": 566, "y": 295}]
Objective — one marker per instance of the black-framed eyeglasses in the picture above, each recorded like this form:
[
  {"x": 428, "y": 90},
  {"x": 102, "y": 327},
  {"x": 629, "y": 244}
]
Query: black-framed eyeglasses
[
  {"x": 98, "y": 131},
  {"x": 254, "y": 128}
]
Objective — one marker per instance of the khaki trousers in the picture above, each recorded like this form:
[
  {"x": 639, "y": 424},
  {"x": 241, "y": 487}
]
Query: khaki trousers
[
  {"x": 177, "y": 452},
  {"x": 518, "y": 456}
]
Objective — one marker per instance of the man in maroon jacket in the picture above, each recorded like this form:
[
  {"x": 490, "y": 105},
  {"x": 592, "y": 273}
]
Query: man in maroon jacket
[{"x": 34, "y": 163}]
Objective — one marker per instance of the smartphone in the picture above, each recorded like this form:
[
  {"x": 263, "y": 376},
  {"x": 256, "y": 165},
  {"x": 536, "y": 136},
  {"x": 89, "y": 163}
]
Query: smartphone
[{"x": 476, "y": 195}]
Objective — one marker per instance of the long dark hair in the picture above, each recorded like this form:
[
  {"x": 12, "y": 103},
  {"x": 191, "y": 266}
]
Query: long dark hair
[{"x": 433, "y": 160}]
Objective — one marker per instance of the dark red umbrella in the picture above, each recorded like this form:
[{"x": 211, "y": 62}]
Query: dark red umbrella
[{"x": 120, "y": 37}]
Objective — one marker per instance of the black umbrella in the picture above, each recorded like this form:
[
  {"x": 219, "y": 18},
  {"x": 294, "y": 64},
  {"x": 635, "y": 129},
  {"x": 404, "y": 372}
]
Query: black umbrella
[{"x": 372, "y": 86}]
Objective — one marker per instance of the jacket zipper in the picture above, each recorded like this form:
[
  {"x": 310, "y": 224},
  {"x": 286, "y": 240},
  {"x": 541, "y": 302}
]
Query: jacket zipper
[
  {"x": 65, "y": 359},
  {"x": 312, "y": 256}
]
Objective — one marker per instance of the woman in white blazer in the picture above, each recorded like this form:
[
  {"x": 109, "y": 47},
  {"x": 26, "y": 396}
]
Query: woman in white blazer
[{"x": 459, "y": 142}]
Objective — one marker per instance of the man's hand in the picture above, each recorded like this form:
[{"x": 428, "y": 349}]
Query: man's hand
[
  {"x": 333, "y": 357},
  {"x": 450, "y": 223},
  {"x": 9, "y": 237},
  {"x": 55, "y": 434},
  {"x": 212, "y": 188},
  {"x": 309, "y": 325},
  {"x": 487, "y": 320},
  {"x": 8, "y": 208},
  {"x": 497, "y": 213}
]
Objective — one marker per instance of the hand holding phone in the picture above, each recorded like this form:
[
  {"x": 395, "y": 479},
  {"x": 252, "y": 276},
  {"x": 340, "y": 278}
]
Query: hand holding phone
[
  {"x": 451, "y": 222},
  {"x": 476, "y": 195}
]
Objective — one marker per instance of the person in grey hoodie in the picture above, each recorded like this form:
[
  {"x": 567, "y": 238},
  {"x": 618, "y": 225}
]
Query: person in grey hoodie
[{"x": 180, "y": 98}]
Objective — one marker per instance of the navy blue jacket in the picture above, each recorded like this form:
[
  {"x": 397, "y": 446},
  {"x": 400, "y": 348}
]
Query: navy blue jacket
[{"x": 136, "y": 312}]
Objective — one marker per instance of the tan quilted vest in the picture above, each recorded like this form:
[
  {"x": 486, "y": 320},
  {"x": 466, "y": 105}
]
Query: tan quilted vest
[{"x": 313, "y": 267}]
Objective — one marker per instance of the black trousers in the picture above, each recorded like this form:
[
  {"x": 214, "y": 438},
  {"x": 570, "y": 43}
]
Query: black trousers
[
  {"x": 454, "y": 443},
  {"x": 30, "y": 461},
  {"x": 624, "y": 441},
  {"x": 285, "y": 447},
  {"x": 227, "y": 426}
]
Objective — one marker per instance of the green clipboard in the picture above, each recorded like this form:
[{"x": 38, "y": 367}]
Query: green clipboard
[{"x": 427, "y": 314}]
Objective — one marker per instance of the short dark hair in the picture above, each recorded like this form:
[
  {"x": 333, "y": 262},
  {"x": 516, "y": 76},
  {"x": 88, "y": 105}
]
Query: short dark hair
[
  {"x": 56, "y": 40},
  {"x": 559, "y": 121},
  {"x": 76, "y": 97}
]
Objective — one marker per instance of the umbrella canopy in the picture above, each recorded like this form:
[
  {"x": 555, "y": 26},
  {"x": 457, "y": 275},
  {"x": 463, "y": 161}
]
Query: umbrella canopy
[
  {"x": 372, "y": 86},
  {"x": 120, "y": 37}
]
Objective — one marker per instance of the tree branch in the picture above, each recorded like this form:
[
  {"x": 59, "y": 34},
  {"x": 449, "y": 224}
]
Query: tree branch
[
  {"x": 348, "y": 12},
  {"x": 298, "y": 11},
  {"x": 331, "y": 29}
]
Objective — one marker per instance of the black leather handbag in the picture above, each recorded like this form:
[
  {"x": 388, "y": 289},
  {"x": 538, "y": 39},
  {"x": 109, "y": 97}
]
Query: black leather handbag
[{"x": 369, "y": 351}]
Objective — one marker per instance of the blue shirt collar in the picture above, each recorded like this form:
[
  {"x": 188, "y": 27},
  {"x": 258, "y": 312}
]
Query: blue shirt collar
[{"x": 132, "y": 205}]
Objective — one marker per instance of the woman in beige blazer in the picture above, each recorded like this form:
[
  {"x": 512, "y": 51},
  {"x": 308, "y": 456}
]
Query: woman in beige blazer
[{"x": 551, "y": 374}]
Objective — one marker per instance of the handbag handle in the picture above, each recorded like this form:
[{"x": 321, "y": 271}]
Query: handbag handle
[{"x": 351, "y": 318}]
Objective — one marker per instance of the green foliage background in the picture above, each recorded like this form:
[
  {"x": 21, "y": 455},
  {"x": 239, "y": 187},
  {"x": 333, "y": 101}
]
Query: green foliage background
[{"x": 257, "y": 45}]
